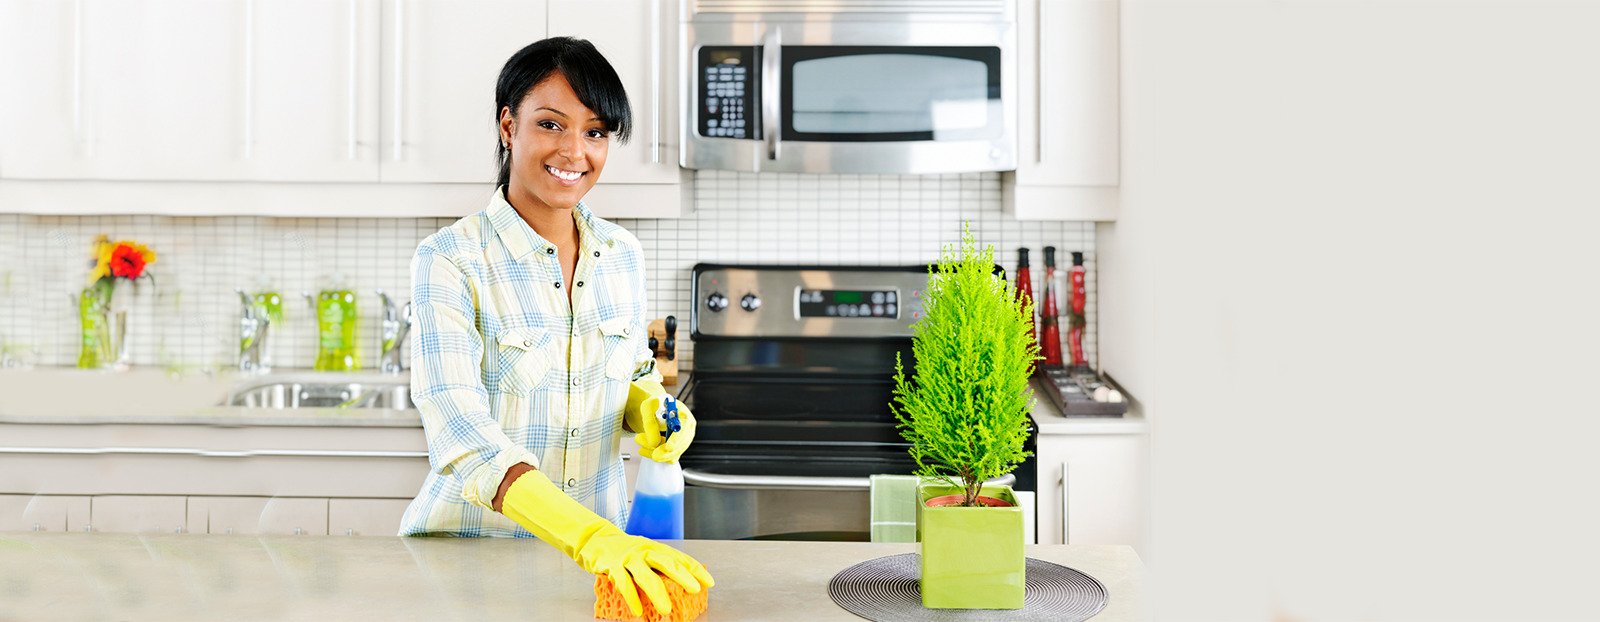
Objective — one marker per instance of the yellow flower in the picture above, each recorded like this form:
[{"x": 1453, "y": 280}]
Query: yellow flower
[{"x": 100, "y": 255}]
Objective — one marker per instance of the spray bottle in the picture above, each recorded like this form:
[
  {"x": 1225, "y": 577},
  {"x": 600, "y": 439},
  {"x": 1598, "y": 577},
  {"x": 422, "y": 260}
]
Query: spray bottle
[{"x": 658, "y": 494}]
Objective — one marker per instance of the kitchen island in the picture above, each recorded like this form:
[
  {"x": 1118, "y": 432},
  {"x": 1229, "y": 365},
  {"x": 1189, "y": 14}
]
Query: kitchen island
[{"x": 182, "y": 577}]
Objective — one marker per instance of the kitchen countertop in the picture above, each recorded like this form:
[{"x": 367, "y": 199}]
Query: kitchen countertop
[
  {"x": 178, "y": 577},
  {"x": 58, "y": 396}
]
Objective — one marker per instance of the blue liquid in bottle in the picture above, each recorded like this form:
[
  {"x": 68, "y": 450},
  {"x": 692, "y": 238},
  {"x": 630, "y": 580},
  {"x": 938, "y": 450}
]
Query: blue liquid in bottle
[{"x": 657, "y": 517}]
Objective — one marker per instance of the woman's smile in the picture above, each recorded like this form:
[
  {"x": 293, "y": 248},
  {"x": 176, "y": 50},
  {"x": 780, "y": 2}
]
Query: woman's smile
[{"x": 565, "y": 177}]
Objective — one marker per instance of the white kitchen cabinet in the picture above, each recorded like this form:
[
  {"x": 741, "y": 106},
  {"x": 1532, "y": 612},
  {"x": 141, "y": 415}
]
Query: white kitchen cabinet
[
  {"x": 1092, "y": 489},
  {"x": 1068, "y": 134},
  {"x": 313, "y": 108},
  {"x": 190, "y": 90},
  {"x": 123, "y": 89},
  {"x": 55, "y": 513},
  {"x": 642, "y": 178},
  {"x": 441, "y": 61},
  {"x": 258, "y": 515},
  {"x": 138, "y": 514},
  {"x": 365, "y": 517}
]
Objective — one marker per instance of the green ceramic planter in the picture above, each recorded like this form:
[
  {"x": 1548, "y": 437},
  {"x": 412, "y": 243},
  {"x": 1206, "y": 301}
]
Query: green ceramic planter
[{"x": 971, "y": 556}]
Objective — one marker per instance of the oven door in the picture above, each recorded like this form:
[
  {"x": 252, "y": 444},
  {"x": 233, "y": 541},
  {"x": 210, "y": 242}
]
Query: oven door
[{"x": 850, "y": 96}]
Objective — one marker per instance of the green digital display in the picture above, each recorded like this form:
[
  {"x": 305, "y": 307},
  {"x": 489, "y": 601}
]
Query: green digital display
[{"x": 847, "y": 297}]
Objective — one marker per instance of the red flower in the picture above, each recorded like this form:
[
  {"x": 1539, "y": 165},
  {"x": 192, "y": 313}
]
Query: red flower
[{"x": 127, "y": 262}]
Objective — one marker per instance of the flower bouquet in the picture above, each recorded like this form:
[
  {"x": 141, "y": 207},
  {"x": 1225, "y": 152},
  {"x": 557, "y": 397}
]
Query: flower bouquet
[{"x": 103, "y": 305}]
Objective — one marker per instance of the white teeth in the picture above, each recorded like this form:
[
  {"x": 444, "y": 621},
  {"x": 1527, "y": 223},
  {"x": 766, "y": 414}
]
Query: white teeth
[{"x": 566, "y": 175}]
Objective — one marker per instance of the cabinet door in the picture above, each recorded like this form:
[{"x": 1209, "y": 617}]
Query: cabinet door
[
  {"x": 167, "y": 83},
  {"x": 258, "y": 515},
  {"x": 365, "y": 517},
  {"x": 633, "y": 36},
  {"x": 1092, "y": 489},
  {"x": 313, "y": 108},
  {"x": 42, "y": 132},
  {"x": 138, "y": 514},
  {"x": 441, "y": 61},
  {"x": 1068, "y": 135},
  {"x": 41, "y": 512}
]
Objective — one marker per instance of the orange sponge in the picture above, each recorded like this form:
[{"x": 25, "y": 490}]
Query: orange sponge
[{"x": 609, "y": 605}]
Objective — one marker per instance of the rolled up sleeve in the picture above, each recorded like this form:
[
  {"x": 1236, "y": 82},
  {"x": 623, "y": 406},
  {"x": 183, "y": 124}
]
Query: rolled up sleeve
[{"x": 465, "y": 441}]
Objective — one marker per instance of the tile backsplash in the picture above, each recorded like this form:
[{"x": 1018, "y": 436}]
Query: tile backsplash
[{"x": 188, "y": 314}]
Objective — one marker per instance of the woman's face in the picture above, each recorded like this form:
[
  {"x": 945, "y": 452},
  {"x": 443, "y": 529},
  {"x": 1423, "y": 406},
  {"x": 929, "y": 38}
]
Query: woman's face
[{"x": 558, "y": 146}]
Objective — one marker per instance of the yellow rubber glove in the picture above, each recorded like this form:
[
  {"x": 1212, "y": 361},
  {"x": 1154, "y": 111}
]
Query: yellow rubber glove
[
  {"x": 645, "y": 403},
  {"x": 599, "y": 546}
]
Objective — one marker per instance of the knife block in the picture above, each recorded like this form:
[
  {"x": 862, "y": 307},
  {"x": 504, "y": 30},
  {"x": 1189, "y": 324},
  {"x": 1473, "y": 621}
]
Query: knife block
[{"x": 666, "y": 361}]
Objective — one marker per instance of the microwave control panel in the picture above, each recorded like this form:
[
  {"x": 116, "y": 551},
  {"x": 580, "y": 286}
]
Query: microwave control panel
[{"x": 728, "y": 81}]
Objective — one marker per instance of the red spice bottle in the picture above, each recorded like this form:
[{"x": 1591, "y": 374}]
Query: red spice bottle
[
  {"x": 1049, "y": 328},
  {"x": 1077, "y": 299},
  {"x": 1025, "y": 292}
]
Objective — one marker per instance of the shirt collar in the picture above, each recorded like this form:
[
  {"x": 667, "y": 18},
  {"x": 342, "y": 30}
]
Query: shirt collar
[{"x": 521, "y": 240}]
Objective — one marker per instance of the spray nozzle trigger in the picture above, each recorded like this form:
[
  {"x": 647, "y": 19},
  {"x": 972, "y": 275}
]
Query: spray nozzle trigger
[{"x": 671, "y": 418}]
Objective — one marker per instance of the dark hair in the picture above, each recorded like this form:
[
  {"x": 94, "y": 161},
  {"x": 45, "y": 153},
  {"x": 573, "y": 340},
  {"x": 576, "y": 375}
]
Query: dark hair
[{"x": 593, "y": 80}]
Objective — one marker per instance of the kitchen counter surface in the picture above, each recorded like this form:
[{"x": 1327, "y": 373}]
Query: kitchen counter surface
[
  {"x": 179, "y": 577},
  {"x": 59, "y": 396}
]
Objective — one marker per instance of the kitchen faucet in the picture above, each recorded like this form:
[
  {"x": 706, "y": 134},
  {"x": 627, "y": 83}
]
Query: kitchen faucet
[
  {"x": 394, "y": 328},
  {"x": 253, "y": 325}
]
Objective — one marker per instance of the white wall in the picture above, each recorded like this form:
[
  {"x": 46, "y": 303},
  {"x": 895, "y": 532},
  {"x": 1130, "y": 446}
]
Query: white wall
[{"x": 1353, "y": 282}]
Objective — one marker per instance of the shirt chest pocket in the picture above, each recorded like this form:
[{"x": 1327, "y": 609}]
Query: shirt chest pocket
[
  {"x": 620, "y": 335},
  {"x": 524, "y": 359}
]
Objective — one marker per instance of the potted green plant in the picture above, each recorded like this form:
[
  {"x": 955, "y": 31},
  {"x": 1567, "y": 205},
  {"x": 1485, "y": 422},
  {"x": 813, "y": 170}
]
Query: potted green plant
[{"x": 965, "y": 412}]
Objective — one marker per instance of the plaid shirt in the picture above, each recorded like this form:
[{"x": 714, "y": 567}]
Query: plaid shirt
[{"x": 504, "y": 370}]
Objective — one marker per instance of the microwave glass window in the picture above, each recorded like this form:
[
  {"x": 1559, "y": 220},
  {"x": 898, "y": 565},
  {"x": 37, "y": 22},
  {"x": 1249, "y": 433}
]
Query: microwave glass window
[{"x": 845, "y": 94}]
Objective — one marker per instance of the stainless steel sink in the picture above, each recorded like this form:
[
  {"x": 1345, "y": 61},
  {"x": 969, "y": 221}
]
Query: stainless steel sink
[{"x": 322, "y": 395}]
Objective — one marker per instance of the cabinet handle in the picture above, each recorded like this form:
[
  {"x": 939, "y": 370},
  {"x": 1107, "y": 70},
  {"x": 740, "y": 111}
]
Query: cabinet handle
[
  {"x": 627, "y": 457},
  {"x": 38, "y": 527},
  {"x": 80, "y": 132},
  {"x": 350, "y": 89},
  {"x": 350, "y": 532},
  {"x": 299, "y": 531},
  {"x": 1066, "y": 504},
  {"x": 249, "y": 76},
  {"x": 655, "y": 81},
  {"x": 1038, "y": 80},
  {"x": 229, "y": 531},
  {"x": 399, "y": 72}
]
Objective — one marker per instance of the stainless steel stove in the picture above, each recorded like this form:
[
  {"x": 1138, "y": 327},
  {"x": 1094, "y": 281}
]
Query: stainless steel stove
[{"x": 793, "y": 375}]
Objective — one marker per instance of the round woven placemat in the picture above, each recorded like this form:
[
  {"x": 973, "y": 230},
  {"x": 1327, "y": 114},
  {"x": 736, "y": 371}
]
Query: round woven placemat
[{"x": 885, "y": 590}]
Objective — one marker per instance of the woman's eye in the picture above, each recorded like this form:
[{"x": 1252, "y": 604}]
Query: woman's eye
[
  {"x": 597, "y": 133},
  {"x": 549, "y": 125}
]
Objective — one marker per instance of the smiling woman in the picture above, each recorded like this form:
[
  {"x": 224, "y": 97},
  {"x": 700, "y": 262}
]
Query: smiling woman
[{"x": 529, "y": 357}]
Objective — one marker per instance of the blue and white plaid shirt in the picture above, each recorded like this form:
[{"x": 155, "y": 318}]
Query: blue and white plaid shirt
[{"x": 505, "y": 371}]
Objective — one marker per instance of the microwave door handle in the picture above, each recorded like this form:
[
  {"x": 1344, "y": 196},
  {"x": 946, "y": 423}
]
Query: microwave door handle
[{"x": 771, "y": 77}]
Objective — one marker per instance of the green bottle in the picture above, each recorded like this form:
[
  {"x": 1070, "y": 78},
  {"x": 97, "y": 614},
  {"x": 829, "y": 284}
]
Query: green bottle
[
  {"x": 336, "y": 330},
  {"x": 96, "y": 330}
]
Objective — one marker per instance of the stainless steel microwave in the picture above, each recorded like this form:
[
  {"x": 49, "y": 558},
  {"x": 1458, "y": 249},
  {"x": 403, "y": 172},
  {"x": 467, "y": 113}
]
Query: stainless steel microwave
[{"x": 849, "y": 86}]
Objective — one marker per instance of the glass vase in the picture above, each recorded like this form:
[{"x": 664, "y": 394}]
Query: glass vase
[
  {"x": 94, "y": 308},
  {"x": 121, "y": 310}
]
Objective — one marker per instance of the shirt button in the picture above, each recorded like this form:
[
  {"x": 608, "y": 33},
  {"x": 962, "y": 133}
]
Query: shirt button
[
  {"x": 597, "y": 253},
  {"x": 572, "y": 482},
  {"x": 627, "y": 331},
  {"x": 576, "y": 381},
  {"x": 527, "y": 343},
  {"x": 550, "y": 250},
  {"x": 574, "y": 433},
  {"x": 558, "y": 285},
  {"x": 580, "y": 283}
]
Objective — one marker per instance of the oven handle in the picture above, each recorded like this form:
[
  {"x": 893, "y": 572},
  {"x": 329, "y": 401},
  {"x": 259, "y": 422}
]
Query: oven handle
[
  {"x": 771, "y": 77},
  {"x": 796, "y": 482}
]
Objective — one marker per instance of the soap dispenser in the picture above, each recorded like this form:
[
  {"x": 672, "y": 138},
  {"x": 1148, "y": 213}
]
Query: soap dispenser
[{"x": 337, "y": 319}]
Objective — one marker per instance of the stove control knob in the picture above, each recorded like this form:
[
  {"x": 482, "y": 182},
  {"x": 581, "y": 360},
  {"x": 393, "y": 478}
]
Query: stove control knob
[
  {"x": 716, "y": 301},
  {"x": 750, "y": 302}
]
